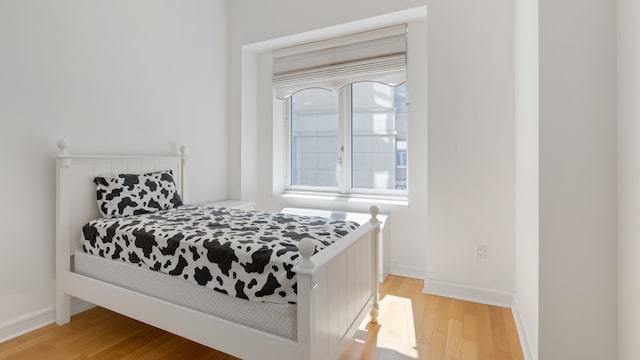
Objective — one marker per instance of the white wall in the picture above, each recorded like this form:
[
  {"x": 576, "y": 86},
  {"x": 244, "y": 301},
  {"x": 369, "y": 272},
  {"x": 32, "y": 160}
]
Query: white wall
[
  {"x": 578, "y": 278},
  {"x": 526, "y": 174},
  {"x": 111, "y": 77},
  {"x": 628, "y": 179},
  {"x": 471, "y": 148}
]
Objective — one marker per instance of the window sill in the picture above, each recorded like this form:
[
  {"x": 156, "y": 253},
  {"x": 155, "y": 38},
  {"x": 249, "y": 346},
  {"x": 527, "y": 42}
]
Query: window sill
[{"x": 393, "y": 200}]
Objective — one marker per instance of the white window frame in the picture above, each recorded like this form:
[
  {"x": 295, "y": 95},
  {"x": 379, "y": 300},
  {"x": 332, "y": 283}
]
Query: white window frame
[{"x": 344, "y": 188}]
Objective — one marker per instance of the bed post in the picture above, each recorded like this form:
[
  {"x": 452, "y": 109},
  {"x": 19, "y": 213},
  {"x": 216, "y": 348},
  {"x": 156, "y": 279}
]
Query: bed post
[
  {"x": 306, "y": 301},
  {"x": 63, "y": 263},
  {"x": 374, "y": 278},
  {"x": 184, "y": 194}
]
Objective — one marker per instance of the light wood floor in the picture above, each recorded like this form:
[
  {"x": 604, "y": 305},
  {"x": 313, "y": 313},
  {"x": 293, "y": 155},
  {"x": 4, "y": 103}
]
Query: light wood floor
[{"x": 412, "y": 325}]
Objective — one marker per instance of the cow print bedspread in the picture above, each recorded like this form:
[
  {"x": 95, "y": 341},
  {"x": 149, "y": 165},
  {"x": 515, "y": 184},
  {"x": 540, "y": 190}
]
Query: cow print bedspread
[{"x": 247, "y": 254}]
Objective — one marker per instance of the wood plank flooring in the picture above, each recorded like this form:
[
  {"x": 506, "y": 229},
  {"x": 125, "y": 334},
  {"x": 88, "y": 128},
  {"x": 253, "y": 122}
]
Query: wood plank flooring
[{"x": 412, "y": 325}]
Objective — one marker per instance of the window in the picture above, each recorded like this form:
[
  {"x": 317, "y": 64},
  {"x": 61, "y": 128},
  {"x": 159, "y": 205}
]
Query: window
[
  {"x": 346, "y": 115},
  {"x": 314, "y": 138},
  {"x": 353, "y": 141}
]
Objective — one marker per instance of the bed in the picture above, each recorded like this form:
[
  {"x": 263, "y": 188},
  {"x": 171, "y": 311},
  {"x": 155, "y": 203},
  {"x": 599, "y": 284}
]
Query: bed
[{"x": 336, "y": 288}]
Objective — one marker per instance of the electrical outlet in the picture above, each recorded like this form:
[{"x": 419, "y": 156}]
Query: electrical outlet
[{"x": 481, "y": 251}]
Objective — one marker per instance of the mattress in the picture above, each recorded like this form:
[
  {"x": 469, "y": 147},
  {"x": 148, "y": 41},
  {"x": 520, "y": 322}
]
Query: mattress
[
  {"x": 241, "y": 253},
  {"x": 276, "y": 319}
]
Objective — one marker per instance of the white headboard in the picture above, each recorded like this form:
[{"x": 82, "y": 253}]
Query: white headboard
[{"x": 76, "y": 192}]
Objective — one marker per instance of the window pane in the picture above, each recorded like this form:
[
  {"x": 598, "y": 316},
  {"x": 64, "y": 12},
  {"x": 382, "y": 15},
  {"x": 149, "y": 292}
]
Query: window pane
[
  {"x": 379, "y": 136},
  {"x": 314, "y": 138}
]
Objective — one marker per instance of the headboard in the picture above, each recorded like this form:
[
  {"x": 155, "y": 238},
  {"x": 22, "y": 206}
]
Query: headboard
[{"x": 76, "y": 192}]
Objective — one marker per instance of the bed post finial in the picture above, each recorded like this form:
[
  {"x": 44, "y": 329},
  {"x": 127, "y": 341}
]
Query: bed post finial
[
  {"x": 183, "y": 154},
  {"x": 374, "y": 214},
  {"x": 63, "y": 146},
  {"x": 306, "y": 248}
]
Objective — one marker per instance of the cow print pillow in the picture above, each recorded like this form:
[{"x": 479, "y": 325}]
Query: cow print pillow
[{"x": 133, "y": 194}]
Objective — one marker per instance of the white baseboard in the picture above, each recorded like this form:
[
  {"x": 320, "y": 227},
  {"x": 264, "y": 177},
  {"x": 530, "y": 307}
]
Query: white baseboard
[
  {"x": 468, "y": 293},
  {"x": 25, "y": 323},
  {"x": 522, "y": 331},
  {"x": 402, "y": 270},
  {"x": 79, "y": 305},
  {"x": 37, "y": 319}
]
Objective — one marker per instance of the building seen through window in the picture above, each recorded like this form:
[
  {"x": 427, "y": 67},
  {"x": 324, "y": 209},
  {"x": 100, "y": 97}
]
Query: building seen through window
[{"x": 352, "y": 140}]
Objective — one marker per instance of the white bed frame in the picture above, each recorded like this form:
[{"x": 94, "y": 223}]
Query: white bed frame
[{"x": 336, "y": 287}]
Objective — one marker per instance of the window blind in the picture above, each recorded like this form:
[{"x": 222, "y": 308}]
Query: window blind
[{"x": 377, "y": 55}]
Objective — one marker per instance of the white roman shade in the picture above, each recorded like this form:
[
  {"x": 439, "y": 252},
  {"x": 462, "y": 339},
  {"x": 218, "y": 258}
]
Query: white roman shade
[{"x": 377, "y": 55}]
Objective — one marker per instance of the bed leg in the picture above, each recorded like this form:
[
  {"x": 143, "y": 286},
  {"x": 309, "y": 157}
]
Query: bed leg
[
  {"x": 375, "y": 310},
  {"x": 63, "y": 308}
]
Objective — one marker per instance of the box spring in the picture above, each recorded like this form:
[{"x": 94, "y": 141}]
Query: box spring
[{"x": 273, "y": 318}]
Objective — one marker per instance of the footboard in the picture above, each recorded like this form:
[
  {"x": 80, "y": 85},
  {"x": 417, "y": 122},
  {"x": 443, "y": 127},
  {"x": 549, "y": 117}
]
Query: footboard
[{"x": 337, "y": 287}]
